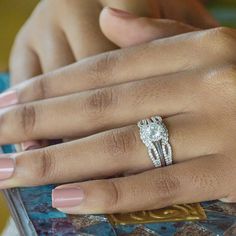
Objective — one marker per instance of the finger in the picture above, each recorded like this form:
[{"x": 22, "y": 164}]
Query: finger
[
  {"x": 84, "y": 34},
  {"x": 126, "y": 29},
  {"x": 118, "y": 151},
  {"x": 111, "y": 68},
  {"x": 46, "y": 165},
  {"x": 54, "y": 51},
  {"x": 24, "y": 60},
  {"x": 101, "y": 109},
  {"x": 202, "y": 179},
  {"x": 150, "y": 8},
  {"x": 164, "y": 56},
  {"x": 24, "y": 63},
  {"x": 48, "y": 40}
]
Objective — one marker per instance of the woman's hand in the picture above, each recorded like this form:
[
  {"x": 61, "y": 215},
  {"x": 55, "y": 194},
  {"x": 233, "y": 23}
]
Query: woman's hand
[
  {"x": 61, "y": 32},
  {"x": 188, "y": 79}
]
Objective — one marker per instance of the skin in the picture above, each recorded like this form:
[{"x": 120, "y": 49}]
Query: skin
[
  {"x": 170, "y": 77},
  {"x": 59, "y": 33}
]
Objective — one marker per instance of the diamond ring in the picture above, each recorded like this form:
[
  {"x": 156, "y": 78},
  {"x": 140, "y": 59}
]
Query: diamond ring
[{"x": 154, "y": 135}]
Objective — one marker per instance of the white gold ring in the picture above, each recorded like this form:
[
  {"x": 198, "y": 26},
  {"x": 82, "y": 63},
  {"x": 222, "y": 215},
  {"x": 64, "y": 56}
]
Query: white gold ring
[{"x": 154, "y": 135}]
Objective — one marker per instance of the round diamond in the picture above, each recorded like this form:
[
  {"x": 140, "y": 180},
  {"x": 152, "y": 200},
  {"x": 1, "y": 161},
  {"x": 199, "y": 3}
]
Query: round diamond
[{"x": 153, "y": 132}]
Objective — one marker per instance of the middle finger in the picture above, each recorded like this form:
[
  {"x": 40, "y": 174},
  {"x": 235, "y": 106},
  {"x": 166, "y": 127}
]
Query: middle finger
[{"x": 89, "y": 112}]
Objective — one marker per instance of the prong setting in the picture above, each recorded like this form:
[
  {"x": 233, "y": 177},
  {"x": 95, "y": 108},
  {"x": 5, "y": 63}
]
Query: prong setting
[{"x": 153, "y": 131}]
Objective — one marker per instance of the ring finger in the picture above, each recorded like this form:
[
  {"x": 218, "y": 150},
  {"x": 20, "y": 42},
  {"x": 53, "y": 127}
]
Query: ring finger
[{"x": 110, "y": 153}]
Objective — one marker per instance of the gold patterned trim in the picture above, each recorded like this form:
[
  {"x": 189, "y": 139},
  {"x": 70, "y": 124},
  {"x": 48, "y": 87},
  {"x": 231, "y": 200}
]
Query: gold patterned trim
[{"x": 185, "y": 212}]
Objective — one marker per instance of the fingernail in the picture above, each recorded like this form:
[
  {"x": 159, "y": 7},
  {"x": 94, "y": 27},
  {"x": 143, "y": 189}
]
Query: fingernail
[
  {"x": 121, "y": 13},
  {"x": 30, "y": 145},
  {"x": 8, "y": 98},
  {"x": 7, "y": 166},
  {"x": 67, "y": 197}
]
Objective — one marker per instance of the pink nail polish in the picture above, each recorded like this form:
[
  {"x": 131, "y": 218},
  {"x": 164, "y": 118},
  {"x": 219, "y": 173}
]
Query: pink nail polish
[
  {"x": 30, "y": 145},
  {"x": 8, "y": 98},
  {"x": 67, "y": 197},
  {"x": 121, "y": 13},
  {"x": 7, "y": 166}
]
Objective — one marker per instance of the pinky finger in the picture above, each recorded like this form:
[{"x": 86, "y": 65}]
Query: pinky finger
[{"x": 197, "y": 180}]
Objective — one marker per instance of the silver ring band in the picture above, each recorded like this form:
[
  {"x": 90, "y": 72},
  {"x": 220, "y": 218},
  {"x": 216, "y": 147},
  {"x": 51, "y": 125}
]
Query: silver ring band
[{"x": 154, "y": 135}]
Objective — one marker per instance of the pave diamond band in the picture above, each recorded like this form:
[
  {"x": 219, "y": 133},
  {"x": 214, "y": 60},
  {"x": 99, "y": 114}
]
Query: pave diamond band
[{"x": 154, "y": 135}]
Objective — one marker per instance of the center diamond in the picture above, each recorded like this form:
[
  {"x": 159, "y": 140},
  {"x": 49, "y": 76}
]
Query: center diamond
[{"x": 153, "y": 132}]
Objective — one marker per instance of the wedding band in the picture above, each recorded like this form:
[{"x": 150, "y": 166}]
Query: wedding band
[{"x": 154, "y": 135}]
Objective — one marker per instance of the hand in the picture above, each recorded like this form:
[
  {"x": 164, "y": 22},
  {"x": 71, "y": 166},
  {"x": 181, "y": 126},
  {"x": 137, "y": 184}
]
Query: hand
[
  {"x": 170, "y": 77},
  {"x": 59, "y": 33}
]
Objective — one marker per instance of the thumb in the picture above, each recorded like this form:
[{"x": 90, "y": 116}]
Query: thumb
[{"x": 125, "y": 29}]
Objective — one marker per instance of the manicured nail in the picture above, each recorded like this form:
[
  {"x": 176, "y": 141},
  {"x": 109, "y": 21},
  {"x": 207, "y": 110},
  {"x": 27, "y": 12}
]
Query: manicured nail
[
  {"x": 7, "y": 166},
  {"x": 8, "y": 98},
  {"x": 121, "y": 13},
  {"x": 30, "y": 145},
  {"x": 67, "y": 197}
]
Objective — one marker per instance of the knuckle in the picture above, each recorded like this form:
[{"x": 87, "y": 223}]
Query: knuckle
[
  {"x": 44, "y": 165},
  {"x": 99, "y": 102},
  {"x": 221, "y": 81},
  {"x": 41, "y": 87},
  {"x": 121, "y": 142},
  {"x": 167, "y": 186},
  {"x": 27, "y": 114},
  {"x": 113, "y": 201},
  {"x": 102, "y": 67}
]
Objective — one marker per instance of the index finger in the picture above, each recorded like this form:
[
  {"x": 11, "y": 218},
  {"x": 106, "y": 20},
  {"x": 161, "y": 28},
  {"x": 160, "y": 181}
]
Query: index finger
[{"x": 110, "y": 68}]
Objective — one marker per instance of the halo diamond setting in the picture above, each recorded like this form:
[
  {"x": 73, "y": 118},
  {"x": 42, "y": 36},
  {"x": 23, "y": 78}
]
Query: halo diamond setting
[{"x": 154, "y": 135}]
